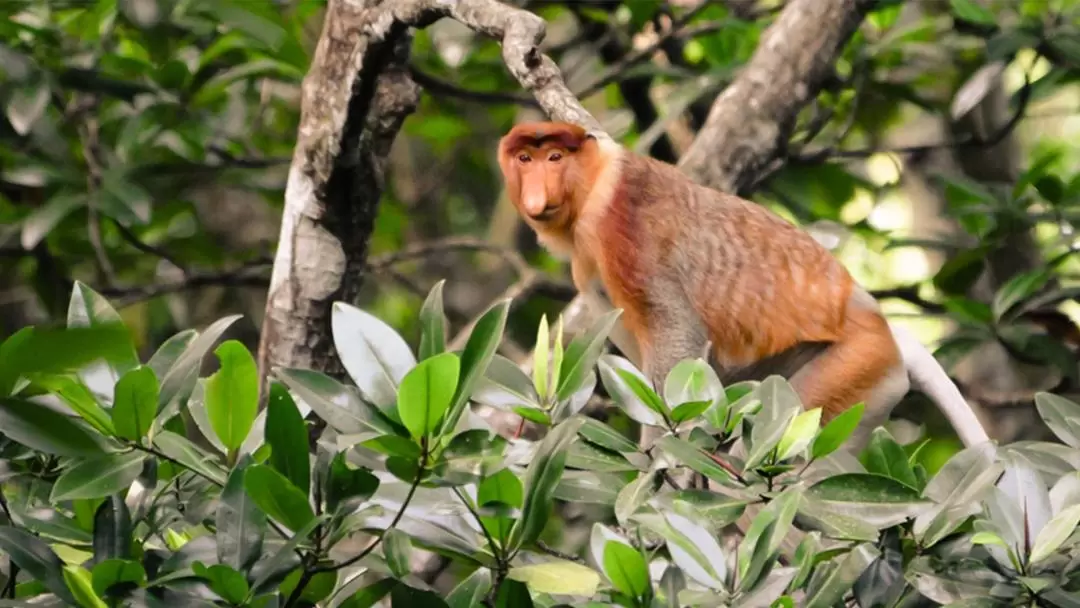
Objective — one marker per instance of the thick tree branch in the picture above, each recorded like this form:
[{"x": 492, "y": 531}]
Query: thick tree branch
[{"x": 354, "y": 99}]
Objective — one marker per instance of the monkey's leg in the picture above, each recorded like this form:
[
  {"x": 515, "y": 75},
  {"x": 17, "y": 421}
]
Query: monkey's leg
[{"x": 863, "y": 365}]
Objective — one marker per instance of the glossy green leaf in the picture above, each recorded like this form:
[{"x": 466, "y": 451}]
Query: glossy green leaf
[
  {"x": 277, "y": 497},
  {"x": 1019, "y": 288},
  {"x": 375, "y": 356},
  {"x": 425, "y": 393},
  {"x": 112, "y": 529},
  {"x": 826, "y": 591},
  {"x": 232, "y": 394},
  {"x": 541, "y": 354},
  {"x": 240, "y": 523},
  {"x": 505, "y": 386},
  {"x": 346, "y": 483},
  {"x": 971, "y": 10},
  {"x": 179, "y": 379},
  {"x": 479, "y": 349},
  {"x": 229, "y": 584},
  {"x": 339, "y": 405},
  {"x": 606, "y": 437},
  {"x": 113, "y": 571},
  {"x": 60, "y": 350},
  {"x": 1053, "y": 535},
  {"x": 471, "y": 591},
  {"x": 799, "y": 434},
  {"x": 582, "y": 353},
  {"x": 98, "y": 477},
  {"x": 470, "y": 455},
  {"x": 695, "y": 458},
  {"x": 79, "y": 581},
  {"x": 626, "y": 569},
  {"x": 1061, "y": 415},
  {"x": 611, "y": 370},
  {"x": 188, "y": 454},
  {"x": 36, "y": 558},
  {"x": 287, "y": 436},
  {"x": 397, "y": 549},
  {"x": 79, "y": 398},
  {"x": 46, "y": 430},
  {"x": 433, "y": 323},
  {"x": 692, "y": 380},
  {"x": 87, "y": 308},
  {"x": 541, "y": 477},
  {"x": 836, "y": 432},
  {"x": 135, "y": 403}
]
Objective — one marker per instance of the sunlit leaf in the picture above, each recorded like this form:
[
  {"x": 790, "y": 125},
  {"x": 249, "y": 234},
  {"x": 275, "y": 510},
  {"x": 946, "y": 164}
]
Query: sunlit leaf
[
  {"x": 98, "y": 477},
  {"x": 135, "y": 403},
  {"x": 425, "y": 393},
  {"x": 277, "y": 497},
  {"x": 287, "y": 436},
  {"x": 557, "y": 576},
  {"x": 232, "y": 394}
]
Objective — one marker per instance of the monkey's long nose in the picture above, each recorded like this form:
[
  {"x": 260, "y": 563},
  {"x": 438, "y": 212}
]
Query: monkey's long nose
[{"x": 534, "y": 202}]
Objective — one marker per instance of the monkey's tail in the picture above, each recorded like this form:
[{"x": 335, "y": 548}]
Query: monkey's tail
[{"x": 927, "y": 376}]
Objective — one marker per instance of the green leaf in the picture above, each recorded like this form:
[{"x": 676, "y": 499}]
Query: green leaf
[
  {"x": 240, "y": 524},
  {"x": 971, "y": 10},
  {"x": 346, "y": 483},
  {"x": 692, "y": 380},
  {"x": 836, "y": 432},
  {"x": 98, "y": 477},
  {"x": 113, "y": 571},
  {"x": 287, "y": 436},
  {"x": 504, "y": 386},
  {"x": 499, "y": 494},
  {"x": 246, "y": 17},
  {"x": 1019, "y": 288},
  {"x": 626, "y": 569},
  {"x": 693, "y": 548},
  {"x": 79, "y": 399},
  {"x": 869, "y": 497},
  {"x": 229, "y": 584},
  {"x": 112, "y": 529},
  {"x": 799, "y": 434},
  {"x": 589, "y": 487},
  {"x": 688, "y": 410},
  {"x": 479, "y": 349},
  {"x": 178, "y": 448},
  {"x": 470, "y": 455},
  {"x": 541, "y": 352},
  {"x": 339, "y": 405},
  {"x": 470, "y": 592},
  {"x": 36, "y": 558},
  {"x": 87, "y": 308},
  {"x": 779, "y": 405},
  {"x": 179, "y": 379},
  {"x": 613, "y": 372},
  {"x": 695, "y": 458},
  {"x": 633, "y": 495},
  {"x": 433, "y": 323},
  {"x": 375, "y": 356},
  {"x": 606, "y": 437},
  {"x": 829, "y": 590},
  {"x": 397, "y": 548},
  {"x": 541, "y": 477},
  {"x": 42, "y": 350},
  {"x": 884, "y": 456},
  {"x": 1060, "y": 414},
  {"x": 425, "y": 393},
  {"x": 78, "y": 580},
  {"x": 136, "y": 401},
  {"x": 43, "y": 429},
  {"x": 232, "y": 394},
  {"x": 277, "y": 497},
  {"x": 582, "y": 353},
  {"x": 279, "y": 562},
  {"x": 558, "y": 576},
  {"x": 1054, "y": 534}
]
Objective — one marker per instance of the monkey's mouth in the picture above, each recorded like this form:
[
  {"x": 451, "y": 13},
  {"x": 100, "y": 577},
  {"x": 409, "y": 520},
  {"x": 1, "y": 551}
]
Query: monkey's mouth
[{"x": 547, "y": 213}]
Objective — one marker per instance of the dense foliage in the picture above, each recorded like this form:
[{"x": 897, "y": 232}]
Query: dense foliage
[{"x": 131, "y": 483}]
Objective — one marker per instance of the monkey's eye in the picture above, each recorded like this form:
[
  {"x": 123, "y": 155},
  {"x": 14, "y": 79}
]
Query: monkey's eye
[
  {"x": 524, "y": 158},
  {"x": 555, "y": 156}
]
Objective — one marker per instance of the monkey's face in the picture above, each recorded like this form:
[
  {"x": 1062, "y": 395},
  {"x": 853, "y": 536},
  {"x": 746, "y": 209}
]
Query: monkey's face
[{"x": 537, "y": 162}]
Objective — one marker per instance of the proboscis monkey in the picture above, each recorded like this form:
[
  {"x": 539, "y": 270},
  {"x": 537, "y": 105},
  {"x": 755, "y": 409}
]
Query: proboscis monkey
[{"x": 694, "y": 269}]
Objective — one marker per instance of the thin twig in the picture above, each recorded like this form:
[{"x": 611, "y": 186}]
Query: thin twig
[{"x": 133, "y": 240}]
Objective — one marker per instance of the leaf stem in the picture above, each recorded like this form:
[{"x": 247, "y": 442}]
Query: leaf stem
[
  {"x": 310, "y": 571},
  {"x": 495, "y": 548}
]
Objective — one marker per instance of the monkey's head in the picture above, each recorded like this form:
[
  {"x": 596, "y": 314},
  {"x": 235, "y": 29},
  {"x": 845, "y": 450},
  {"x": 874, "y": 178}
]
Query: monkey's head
[{"x": 544, "y": 165}]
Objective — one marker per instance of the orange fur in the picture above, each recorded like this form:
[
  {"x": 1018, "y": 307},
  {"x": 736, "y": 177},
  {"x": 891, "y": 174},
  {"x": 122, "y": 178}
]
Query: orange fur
[{"x": 687, "y": 263}]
